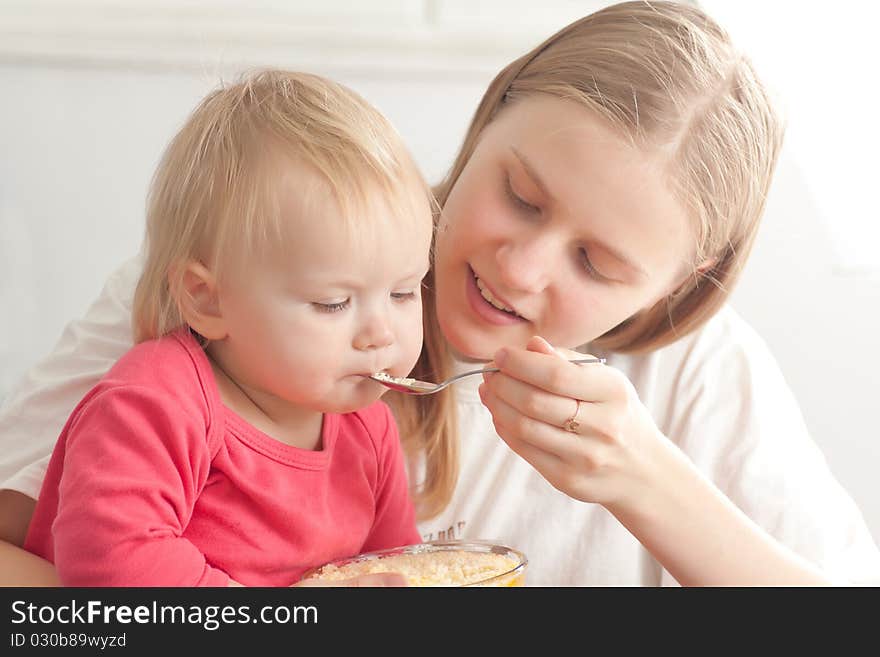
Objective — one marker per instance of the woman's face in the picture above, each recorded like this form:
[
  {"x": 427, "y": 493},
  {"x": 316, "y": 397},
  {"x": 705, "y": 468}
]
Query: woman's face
[{"x": 556, "y": 227}]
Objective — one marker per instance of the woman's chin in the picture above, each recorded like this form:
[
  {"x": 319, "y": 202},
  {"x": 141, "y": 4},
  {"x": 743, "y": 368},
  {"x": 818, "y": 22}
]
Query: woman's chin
[
  {"x": 472, "y": 339},
  {"x": 467, "y": 346}
]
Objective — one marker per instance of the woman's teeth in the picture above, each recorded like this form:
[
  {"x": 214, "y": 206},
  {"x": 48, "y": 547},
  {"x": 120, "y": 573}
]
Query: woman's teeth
[{"x": 487, "y": 295}]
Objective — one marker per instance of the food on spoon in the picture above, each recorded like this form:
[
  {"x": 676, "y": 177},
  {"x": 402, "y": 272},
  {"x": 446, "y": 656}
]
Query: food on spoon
[{"x": 400, "y": 380}]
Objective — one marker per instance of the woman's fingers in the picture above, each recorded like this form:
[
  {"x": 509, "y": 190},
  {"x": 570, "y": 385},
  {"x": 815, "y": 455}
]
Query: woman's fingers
[
  {"x": 566, "y": 461},
  {"x": 581, "y": 426},
  {"x": 520, "y": 430},
  {"x": 592, "y": 382},
  {"x": 530, "y": 402}
]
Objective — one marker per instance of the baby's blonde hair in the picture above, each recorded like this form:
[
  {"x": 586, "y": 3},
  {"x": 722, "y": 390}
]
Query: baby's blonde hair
[
  {"x": 215, "y": 191},
  {"x": 667, "y": 78}
]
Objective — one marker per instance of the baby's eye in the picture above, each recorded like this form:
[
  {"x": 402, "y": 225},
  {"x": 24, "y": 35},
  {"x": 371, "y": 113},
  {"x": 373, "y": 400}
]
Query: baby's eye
[
  {"x": 403, "y": 296},
  {"x": 589, "y": 268},
  {"x": 333, "y": 307}
]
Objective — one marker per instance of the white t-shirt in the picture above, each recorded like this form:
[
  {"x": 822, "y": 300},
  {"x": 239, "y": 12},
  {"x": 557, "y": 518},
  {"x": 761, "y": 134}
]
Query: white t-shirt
[{"x": 717, "y": 393}]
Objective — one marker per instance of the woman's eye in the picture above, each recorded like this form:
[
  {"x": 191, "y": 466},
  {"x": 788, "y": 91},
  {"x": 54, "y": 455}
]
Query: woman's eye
[
  {"x": 517, "y": 200},
  {"x": 331, "y": 307}
]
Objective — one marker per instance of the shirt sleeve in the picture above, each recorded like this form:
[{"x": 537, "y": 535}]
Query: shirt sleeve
[
  {"x": 739, "y": 422},
  {"x": 35, "y": 412},
  {"x": 134, "y": 465},
  {"x": 394, "y": 523}
]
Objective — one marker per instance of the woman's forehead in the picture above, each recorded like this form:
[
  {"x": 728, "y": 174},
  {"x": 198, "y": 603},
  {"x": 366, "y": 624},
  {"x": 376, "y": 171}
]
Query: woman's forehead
[{"x": 543, "y": 118}]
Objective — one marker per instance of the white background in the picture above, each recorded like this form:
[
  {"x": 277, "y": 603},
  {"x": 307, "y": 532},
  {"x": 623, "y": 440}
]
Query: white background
[{"x": 91, "y": 92}]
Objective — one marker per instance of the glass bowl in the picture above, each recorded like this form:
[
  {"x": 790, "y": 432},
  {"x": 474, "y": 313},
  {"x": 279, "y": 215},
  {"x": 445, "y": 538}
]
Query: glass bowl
[{"x": 436, "y": 563}]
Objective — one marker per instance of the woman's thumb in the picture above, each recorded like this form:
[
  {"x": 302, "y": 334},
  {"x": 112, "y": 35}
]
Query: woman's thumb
[{"x": 540, "y": 345}]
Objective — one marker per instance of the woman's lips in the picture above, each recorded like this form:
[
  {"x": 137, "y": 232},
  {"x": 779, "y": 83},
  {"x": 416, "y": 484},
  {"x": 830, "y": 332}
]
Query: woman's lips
[{"x": 483, "y": 308}]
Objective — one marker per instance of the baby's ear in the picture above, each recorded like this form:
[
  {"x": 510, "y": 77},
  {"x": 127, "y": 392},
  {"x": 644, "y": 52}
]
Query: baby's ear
[{"x": 194, "y": 287}]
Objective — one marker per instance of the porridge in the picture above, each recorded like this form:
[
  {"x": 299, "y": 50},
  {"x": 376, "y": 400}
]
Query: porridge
[{"x": 446, "y": 564}]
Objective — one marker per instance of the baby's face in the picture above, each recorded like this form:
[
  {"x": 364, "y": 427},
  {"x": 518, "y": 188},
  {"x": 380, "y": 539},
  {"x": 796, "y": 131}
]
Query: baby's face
[{"x": 333, "y": 301}]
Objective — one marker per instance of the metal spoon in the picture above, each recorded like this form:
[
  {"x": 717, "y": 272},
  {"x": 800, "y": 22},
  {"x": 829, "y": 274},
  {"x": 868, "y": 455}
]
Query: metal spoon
[{"x": 416, "y": 387}]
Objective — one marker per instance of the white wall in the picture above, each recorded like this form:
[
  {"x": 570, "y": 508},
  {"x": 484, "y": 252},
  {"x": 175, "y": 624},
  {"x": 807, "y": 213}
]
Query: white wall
[
  {"x": 90, "y": 99},
  {"x": 822, "y": 323}
]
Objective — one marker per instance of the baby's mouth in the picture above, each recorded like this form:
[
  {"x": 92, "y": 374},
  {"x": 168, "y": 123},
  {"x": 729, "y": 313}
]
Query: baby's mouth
[{"x": 486, "y": 293}]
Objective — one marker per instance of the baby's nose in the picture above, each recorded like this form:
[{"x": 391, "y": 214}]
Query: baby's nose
[{"x": 375, "y": 333}]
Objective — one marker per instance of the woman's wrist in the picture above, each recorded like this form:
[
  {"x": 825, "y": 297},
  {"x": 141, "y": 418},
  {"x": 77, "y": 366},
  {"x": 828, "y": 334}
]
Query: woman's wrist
[{"x": 654, "y": 483}]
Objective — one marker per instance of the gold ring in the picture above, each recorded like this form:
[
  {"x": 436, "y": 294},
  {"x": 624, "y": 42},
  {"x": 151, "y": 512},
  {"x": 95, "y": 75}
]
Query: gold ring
[{"x": 571, "y": 424}]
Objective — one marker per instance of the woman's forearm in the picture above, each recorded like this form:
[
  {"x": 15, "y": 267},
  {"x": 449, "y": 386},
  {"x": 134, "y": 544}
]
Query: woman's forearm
[
  {"x": 21, "y": 568},
  {"x": 702, "y": 539},
  {"x": 16, "y": 510},
  {"x": 18, "y": 567}
]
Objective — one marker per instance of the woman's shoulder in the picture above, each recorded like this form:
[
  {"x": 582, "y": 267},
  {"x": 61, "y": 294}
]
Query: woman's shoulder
[{"x": 720, "y": 379}]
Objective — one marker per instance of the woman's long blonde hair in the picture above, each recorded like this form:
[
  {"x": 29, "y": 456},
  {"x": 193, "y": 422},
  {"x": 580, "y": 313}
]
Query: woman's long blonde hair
[{"x": 666, "y": 77}]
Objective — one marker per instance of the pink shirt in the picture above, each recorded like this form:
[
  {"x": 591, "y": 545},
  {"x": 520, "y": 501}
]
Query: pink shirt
[{"x": 154, "y": 482}]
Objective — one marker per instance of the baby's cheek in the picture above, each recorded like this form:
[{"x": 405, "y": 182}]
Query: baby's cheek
[{"x": 412, "y": 347}]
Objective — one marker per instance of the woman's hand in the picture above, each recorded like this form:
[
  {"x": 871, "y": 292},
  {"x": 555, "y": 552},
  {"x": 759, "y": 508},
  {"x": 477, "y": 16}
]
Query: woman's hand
[
  {"x": 582, "y": 427},
  {"x": 613, "y": 453}
]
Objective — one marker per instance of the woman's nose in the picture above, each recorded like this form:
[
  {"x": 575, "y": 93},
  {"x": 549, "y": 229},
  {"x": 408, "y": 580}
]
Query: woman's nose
[
  {"x": 374, "y": 333},
  {"x": 526, "y": 266}
]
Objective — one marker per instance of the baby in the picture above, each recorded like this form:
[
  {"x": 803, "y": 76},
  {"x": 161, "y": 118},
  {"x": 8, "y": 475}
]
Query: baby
[{"x": 239, "y": 441}]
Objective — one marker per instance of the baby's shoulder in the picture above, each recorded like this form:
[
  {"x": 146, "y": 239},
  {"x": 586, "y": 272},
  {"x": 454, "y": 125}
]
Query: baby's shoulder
[
  {"x": 374, "y": 421},
  {"x": 173, "y": 369}
]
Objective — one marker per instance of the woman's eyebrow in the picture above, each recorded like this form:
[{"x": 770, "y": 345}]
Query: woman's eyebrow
[{"x": 536, "y": 179}]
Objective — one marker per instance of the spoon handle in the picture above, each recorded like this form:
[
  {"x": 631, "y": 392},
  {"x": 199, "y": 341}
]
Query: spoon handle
[{"x": 495, "y": 369}]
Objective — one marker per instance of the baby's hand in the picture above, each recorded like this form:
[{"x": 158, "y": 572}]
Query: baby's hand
[
  {"x": 582, "y": 427},
  {"x": 372, "y": 579}
]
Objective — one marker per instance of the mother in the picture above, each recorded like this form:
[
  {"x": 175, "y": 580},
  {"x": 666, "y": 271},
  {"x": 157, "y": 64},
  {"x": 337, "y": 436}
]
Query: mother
[{"x": 607, "y": 194}]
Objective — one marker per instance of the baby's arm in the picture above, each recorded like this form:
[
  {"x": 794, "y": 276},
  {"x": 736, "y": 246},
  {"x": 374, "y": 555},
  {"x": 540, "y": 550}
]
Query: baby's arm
[
  {"x": 394, "y": 523},
  {"x": 134, "y": 461}
]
